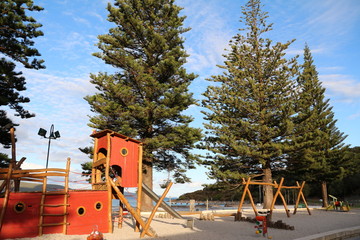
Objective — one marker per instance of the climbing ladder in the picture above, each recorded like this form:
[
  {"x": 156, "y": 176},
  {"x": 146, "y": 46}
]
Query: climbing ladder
[{"x": 48, "y": 219}]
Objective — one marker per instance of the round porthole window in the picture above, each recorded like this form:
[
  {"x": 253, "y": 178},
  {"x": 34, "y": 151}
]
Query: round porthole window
[
  {"x": 124, "y": 152},
  {"x": 19, "y": 207},
  {"x": 81, "y": 211},
  {"x": 98, "y": 206}
]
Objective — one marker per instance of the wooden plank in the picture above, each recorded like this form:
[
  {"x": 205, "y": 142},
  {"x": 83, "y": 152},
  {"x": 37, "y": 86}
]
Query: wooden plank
[
  {"x": 260, "y": 183},
  {"x": 129, "y": 208},
  {"x": 301, "y": 195},
  {"x": 252, "y": 202},
  {"x": 139, "y": 192},
  {"x": 42, "y": 201},
  {"x": 6, "y": 198},
  {"x": 107, "y": 177},
  {"x": 53, "y": 224},
  {"x": 54, "y": 215},
  {"x": 17, "y": 181},
  {"x": 244, "y": 194},
  {"x": 37, "y": 175},
  {"x": 98, "y": 163},
  {"x": 278, "y": 192},
  {"x": 41, "y": 170},
  {"x": 93, "y": 170},
  {"x": 66, "y": 196},
  {"x": 32, "y": 179},
  {"x": 55, "y": 205},
  {"x": 148, "y": 222}
]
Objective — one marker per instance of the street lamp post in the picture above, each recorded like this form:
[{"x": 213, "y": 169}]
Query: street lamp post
[{"x": 52, "y": 135}]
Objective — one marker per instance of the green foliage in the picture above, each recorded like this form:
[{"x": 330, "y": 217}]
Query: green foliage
[
  {"x": 87, "y": 166},
  {"x": 349, "y": 185},
  {"x": 86, "y": 170},
  {"x": 318, "y": 149},
  {"x": 250, "y": 105},
  {"x": 4, "y": 160},
  {"x": 146, "y": 97},
  {"x": 16, "y": 33}
]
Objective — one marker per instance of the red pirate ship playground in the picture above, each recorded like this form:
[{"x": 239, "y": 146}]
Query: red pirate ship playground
[{"x": 31, "y": 214}]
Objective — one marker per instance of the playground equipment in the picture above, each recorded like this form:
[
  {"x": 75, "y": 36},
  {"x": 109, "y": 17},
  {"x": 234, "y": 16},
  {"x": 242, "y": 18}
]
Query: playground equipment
[
  {"x": 117, "y": 163},
  {"x": 279, "y": 187},
  {"x": 337, "y": 205}
]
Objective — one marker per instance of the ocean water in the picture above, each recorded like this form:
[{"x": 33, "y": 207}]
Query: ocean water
[{"x": 177, "y": 206}]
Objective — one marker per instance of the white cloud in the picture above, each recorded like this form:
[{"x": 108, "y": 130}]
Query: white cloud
[
  {"x": 341, "y": 85},
  {"x": 209, "y": 35},
  {"x": 300, "y": 52},
  {"x": 29, "y": 165}
]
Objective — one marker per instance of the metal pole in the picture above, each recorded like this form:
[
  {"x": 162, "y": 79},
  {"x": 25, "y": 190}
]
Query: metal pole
[
  {"x": 50, "y": 136},
  {"x": 47, "y": 157}
]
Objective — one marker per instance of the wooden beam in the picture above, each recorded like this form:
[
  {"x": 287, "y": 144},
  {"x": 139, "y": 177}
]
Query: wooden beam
[
  {"x": 148, "y": 222},
  {"x": 243, "y": 195},
  {"x": 139, "y": 192},
  {"x": 99, "y": 163},
  {"x": 129, "y": 208},
  {"x": 107, "y": 177},
  {"x": 301, "y": 195},
  {"x": 7, "y": 193}
]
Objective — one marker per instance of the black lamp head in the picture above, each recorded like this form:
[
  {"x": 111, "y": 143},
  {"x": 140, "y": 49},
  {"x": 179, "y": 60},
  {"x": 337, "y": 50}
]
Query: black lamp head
[
  {"x": 42, "y": 132},
  {"x": 57, "y": 134}
]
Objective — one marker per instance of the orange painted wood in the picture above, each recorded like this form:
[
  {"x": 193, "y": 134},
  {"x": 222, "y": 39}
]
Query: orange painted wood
[
  {"x": 25, "y": 224},
  {"x": 83, "y": 224}
]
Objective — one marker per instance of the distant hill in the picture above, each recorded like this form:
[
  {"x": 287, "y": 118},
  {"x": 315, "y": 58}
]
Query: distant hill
[{"x": 37, "y": 187}]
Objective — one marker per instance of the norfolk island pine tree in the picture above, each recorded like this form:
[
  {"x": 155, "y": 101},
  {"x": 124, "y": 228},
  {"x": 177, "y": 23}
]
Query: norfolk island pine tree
[
  {"x": 249, "y": 108},
  {"x": 146, "y": 97}
]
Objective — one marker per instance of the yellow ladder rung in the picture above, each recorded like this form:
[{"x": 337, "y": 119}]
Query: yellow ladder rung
[
  {"x": 53, "y": 224},
  {"x": 55, "y": 205},
  {"x": 54, "y": 215}
]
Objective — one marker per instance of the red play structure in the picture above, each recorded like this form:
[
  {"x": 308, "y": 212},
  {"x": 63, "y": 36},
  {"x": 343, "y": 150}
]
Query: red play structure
[{"x": 117, "y": 164}]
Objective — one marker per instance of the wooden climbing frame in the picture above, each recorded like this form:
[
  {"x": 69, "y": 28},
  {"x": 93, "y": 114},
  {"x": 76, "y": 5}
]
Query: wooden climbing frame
[{"x": 278, "y": 193}]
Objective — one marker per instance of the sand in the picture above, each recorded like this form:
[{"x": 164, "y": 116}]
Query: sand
[{"x": 225, "y": 228}]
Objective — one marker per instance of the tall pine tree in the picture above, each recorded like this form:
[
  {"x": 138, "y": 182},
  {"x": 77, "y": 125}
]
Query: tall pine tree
[
  {"x": 249, "y": 107},
  {"x": 146, "y": 97},
  {"x": 17, "y": 30},
  {"x": 318, "y": 144}
]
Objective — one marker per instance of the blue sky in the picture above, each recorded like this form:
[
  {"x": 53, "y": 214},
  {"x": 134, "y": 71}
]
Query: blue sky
[{"x": 329, "y": 27}]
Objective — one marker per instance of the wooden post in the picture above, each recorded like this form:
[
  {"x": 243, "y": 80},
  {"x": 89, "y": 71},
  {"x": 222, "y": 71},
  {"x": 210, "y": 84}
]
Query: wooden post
[
  {"x": 147, "y": 225},
  {"x": 192, "y": 205},
  {"x": 107, "y": 177},
  {"x": 300, "y": 194},
  {"x": 42, "y": 202},
  {"x": 13, "y": 147},
  {"x": 252, "y": 202},
  {"x": 6, "y": 198},
  {"x": 17, "y": 182},
  {"x": 17, "y": 167},
  {"x": 129, "y": 208},
  {"x": 8, "y": 177},
  {"x": 243, "y": 195},
  {"x": 66, "y": 190},
  {"x": 278, "y": 192},
  {"x": 138, "y": 204},
  {"x": 93, "y": 170}
]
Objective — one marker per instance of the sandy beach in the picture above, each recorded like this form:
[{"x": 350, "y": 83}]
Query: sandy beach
[{"x": 319, "y": 221}]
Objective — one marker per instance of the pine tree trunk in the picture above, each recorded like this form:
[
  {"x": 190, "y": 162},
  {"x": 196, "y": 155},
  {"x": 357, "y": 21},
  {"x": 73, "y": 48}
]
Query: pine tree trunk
[
  {"x": 146, "y": 202},
  {"x": 268, "y": 190},
  {"x": 324, "y": 194}
]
